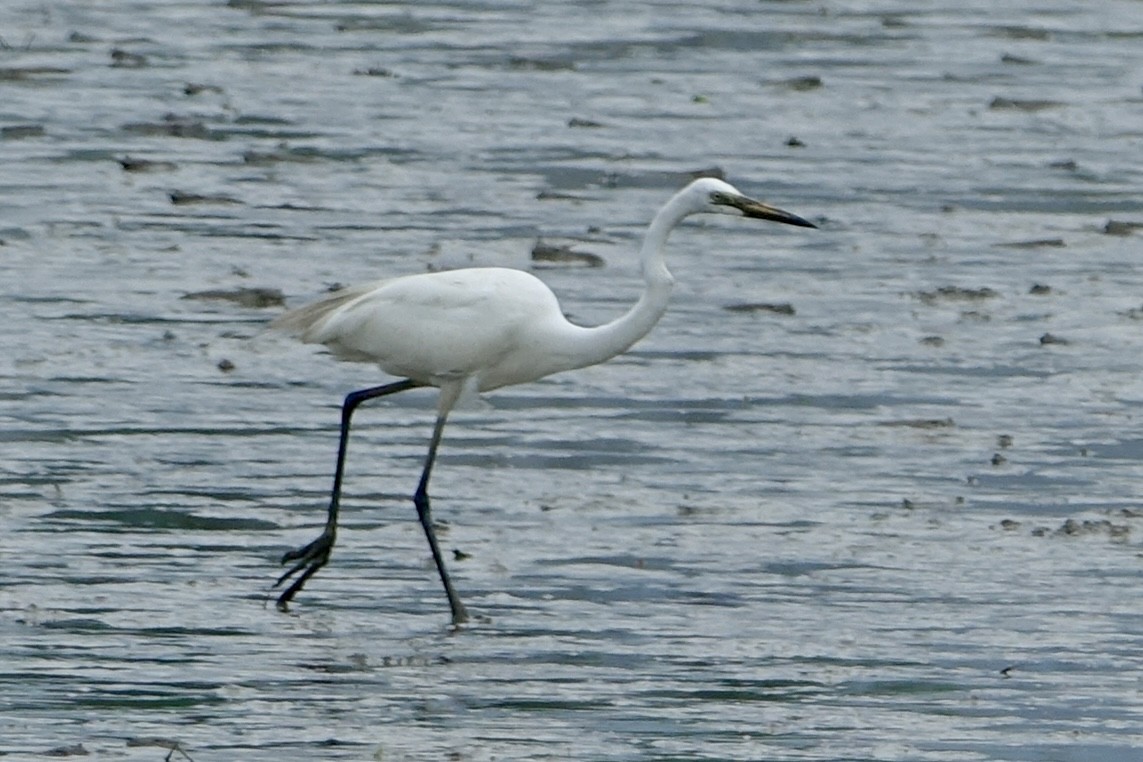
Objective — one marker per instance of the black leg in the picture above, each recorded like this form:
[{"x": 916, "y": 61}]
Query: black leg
[
  {"x": 424, "y": 513},
  {"x": 315, "y": 555}
]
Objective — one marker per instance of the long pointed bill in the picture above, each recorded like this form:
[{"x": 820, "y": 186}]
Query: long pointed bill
[{"x": 758, "y": 210}]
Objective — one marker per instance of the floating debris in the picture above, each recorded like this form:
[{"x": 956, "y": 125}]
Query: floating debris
[
  {"x": 375, "y": 71},
  {"x": 1051, "y": 338},
  {"x": 254, "y": 297},
  {"x": 182, "y": 198},
  {"x": 922, "y": 423},
  {"x": 548, "y": 195},
  {"x": 123, "y": 59},
  {"x": 1035, "y": 243},
  {"x": 777, "y": 308},
  {"x": 1117, "y": 532},
  {"x": 1030, "y": 105},
  {"x": 956, "y": 293},
  {"x": 282, "y": 153},
  {"x": 1022, "y": 32},
  {"x": 1121, "y": 227},
  {"x": 540, "y": 64},
  {"x": 21, "y": 131},
  {"x": 19, "y": 73},
  {"x": 194, "y": 88},
  {"x": 146, "y": 165},
  {"x": 803, "y": 84},
  {"x": 1008, "y": 58},
  {"x": 173, "y": 126},
  {"x": 551, "y": 255},
  {"x": 1075, "y": 528}
]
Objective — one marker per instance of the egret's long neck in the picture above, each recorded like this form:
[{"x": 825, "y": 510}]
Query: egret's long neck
[{"x": 605, "y": 341}]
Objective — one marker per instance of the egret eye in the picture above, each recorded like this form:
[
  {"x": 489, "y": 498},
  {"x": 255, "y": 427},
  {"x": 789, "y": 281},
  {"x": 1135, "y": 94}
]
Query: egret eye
[{"x": 720, "y": 198}]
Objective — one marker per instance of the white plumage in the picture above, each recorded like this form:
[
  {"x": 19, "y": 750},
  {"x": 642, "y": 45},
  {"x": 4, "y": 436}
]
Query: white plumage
[{"x": 482, "y": 328}]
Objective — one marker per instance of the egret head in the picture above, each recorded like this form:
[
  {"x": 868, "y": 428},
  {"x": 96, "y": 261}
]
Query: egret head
[{"x": 723, "y": 198}]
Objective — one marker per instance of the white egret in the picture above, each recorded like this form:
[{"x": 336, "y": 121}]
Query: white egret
[{"x": 480, "y": 329}]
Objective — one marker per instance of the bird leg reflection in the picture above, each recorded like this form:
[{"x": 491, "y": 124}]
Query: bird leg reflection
[{"x": 315, "y": 555}]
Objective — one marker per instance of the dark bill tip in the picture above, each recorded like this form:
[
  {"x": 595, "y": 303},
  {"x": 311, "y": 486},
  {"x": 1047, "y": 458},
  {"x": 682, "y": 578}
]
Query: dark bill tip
[{"x": 759, "y": 210}]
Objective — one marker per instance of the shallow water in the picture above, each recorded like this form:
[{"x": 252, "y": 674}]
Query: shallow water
[{"x": 899, "y": 522}]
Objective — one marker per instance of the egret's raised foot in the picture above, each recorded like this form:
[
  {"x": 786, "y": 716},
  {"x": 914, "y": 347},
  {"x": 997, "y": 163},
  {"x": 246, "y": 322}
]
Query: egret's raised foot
[{"x": 309, "y": 559}]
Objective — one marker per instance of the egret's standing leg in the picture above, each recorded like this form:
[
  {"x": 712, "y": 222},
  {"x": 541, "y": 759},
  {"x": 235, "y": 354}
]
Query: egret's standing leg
[
  {"x": 424, "y": 513},
  {"x": 315, "y": 555}
]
